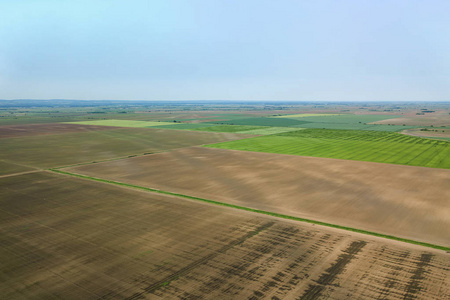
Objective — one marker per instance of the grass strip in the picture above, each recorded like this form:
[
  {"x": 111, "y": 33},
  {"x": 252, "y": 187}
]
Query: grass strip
[{"x": 282, "y": 216}]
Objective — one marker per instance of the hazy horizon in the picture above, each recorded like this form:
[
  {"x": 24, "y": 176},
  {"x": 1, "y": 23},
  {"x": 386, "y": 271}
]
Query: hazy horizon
[{"x": 324, "y": 51}]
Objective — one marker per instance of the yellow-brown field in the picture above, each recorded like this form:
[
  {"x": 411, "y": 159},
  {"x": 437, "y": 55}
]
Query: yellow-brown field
[
  {"x": 68, "y": 238},
  {"x": 404, "y": 201}
]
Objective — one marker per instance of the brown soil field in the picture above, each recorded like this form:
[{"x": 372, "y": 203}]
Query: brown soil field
[
  {"x": 438, "y": 118},
  {"x": 404, "y": 201},
  {"x": 52, "y": 150},
  {"x": 7, "y": 168},
  {"x": 8, "y": 131},
  {"x": 69, "y": 238},
  {"x": 436, "y": 132}
]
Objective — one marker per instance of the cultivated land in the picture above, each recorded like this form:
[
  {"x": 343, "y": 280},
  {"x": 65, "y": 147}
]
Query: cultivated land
[
  {"x": 81, "y": 147},
  {"x": 384, "y": 147},
  {"x": 439, "y": 133},
  {"x": 17, "y": 131},
  {"x": 403, "y": 201},
  {"x": 123, "y": 123},
  {"x": 436, "y": 119},
  {"x": 11, "y": 168},
  {"x": 68, "y": 238},
  {"x": 224, "y": 224}
]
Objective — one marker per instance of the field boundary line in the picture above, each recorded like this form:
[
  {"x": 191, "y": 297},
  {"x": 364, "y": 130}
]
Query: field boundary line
[
  {"x": 273, "y": 214},
  {"x": 20, "y": 173}
]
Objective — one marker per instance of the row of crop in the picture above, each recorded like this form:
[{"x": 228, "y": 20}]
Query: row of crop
[
  {"x": 385, "y": 152},
  {"x": 360, "y": 135}
]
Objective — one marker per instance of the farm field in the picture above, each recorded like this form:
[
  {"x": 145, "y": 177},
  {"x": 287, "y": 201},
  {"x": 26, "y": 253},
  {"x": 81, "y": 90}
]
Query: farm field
[
  {"x": 325, "y": 121},
  {"x": 82, "y": 147},
  {"x": 230, "y": 128},
  {"x": 437, "y": 119},
  {"x": 430, "y": 133},
  {"x": 68, "y": 238},
  {"x": 383, "y": 147},
  {"x": 7, "y": 131},
  {"x": 304, "y": 115},
  {"x": 404, "y": 201},
  {"x": 341, "y": 118},
  {"x": 123, "y": 123},
  {"x": 11, "y": 168}
]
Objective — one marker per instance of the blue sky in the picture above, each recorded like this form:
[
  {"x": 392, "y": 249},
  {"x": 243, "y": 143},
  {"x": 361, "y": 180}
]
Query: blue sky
[{"x": 238, "y": 50}]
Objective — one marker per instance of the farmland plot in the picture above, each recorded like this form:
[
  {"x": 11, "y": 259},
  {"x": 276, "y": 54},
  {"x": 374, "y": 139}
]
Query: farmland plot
[
  {"x": 7, "y": 131},
  {"x": 80, "y": 147},
  {"x": 384, "y": 147},
  {"x": 403, "y": 201},
  {"x": 76, "y": 239},
  {"x": 11, "y": 168}
]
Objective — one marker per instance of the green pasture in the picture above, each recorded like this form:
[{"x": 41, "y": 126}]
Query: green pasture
[
  {"x": 183, "y": 126},
  {"x": 262, "y": 121},
  {"x": 393, "y": 149},
  {"x": 270, "y": 130},
  {"x": 229, "y": 128},
  {"x": 358, "y": 135},
  {"x": 304, "y": 115},
  {"x": 356, "y": 126},
  {"x": 346, "y": 119}
]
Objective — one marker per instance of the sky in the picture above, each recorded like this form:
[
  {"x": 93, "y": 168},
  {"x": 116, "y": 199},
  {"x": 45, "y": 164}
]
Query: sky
[{"x": 306, "y": 50}]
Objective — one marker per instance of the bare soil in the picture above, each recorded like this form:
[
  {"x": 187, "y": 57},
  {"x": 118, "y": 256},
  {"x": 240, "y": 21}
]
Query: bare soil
[
  {"x": 8, "y": 131},
  {"x": 432, "y": 132},
  {"x": 68, "y": 238},
  {"x": 53, "y": 150},
  {"x": 437, "y": 119},
  {"x": 404, "y": 201}
]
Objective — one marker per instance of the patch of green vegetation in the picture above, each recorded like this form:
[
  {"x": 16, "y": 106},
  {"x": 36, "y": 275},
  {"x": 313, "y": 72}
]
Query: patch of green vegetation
[
  {"x": 230, "y": 116},
  {"x": 229, "y": 128},
  {"x": 276, "y": 122},
  {"x": 358, "y": 135},
  {"x": 270, "y": 130},
  {"x": 184, "y": 126},
  {"x": 348, "y": 118},
  {"x": 356, "y": 126},
  {"x": 123, "y": 123},
  {"x": 305, "y": 115},
  {"x": 258, "y": 211},
  {"x": 376, "y": 147}
]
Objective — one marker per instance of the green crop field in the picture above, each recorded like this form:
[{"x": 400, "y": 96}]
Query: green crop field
[
  {"x": 326, "y": 121},
  {"x": 304, "y": 115},
  {"x": 270, "y": 130},
  {"x": 345, "y": 119},
  {"x": 358, "y": 135},
  {"x": 276, "y": 122},
  {"x": 183, "y": 126},
  {"x": 356, "y": 126},
  {"x": 229, "y": 128},
  {"x": 360, "y": 145}
]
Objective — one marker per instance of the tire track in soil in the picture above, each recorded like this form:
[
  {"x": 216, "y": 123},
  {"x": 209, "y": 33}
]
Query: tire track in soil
[
  {"x": 165, "y": 281},
  {"x": 414, "y": 285},
  {"x": 314, "y": 291}
]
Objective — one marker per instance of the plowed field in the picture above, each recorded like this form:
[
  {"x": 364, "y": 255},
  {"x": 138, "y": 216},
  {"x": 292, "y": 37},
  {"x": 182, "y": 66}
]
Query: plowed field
[
  {"x": 404, "y": 201},
  {"x": 69, "y": 148},
  {"x": 7, "y": 131},
  {"x": 66, "y": 238}
]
